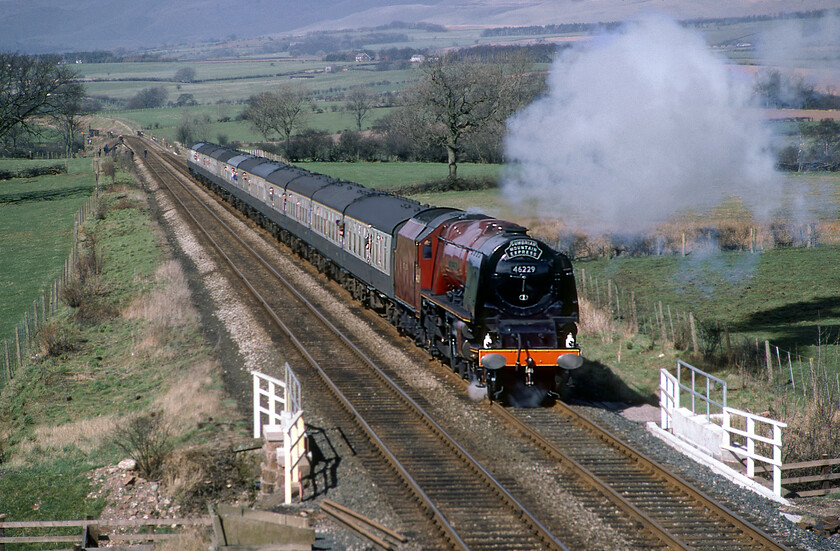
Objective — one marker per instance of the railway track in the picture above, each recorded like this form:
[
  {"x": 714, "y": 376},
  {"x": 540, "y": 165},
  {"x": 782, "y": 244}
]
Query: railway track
[
  {"x": 670, "y": 508},
  {"x": 468, "y": 506}
]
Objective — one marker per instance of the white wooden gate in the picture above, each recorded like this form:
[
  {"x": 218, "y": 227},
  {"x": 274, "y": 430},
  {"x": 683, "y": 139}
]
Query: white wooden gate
[{"x": 280, "y": 402}]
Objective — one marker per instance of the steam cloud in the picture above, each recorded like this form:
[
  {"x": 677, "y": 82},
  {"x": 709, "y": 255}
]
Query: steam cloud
[{"x": 637, "y": 125}]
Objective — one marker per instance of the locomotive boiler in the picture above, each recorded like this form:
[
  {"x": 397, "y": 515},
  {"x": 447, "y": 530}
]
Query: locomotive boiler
[{"x": 497, "y": 305}]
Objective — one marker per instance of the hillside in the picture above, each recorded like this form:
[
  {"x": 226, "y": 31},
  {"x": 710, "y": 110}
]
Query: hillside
[{"x": 36, "y": 26}]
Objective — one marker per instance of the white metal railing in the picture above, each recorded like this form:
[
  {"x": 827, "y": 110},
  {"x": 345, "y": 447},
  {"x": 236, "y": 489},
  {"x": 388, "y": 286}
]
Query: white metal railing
[
  {"x": 285, "y": 393},
  {"x": 284, "y": 412},
  {"x": 740, "y": 442},
  {"x": 669, "y": 399},
  {"x": 711, "y": 384},
  {"x": 750, "y": 437}
]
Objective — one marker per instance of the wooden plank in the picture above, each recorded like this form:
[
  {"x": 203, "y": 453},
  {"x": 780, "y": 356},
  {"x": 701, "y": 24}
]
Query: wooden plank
[
  {"x": 801, "y": 465},
  {"x": 140, "y": 537},
  {"x": 815, "y": 463},
  {"x": 812, "y": 478},
  {"x": 206, "y": 521},
  {"x": 820, "y": 492},
  {"x": 41, "y": 539}
]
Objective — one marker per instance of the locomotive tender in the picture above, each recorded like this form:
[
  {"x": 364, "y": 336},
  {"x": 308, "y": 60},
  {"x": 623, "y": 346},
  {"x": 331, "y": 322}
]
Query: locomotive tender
[{"x": 498, "y": 305}]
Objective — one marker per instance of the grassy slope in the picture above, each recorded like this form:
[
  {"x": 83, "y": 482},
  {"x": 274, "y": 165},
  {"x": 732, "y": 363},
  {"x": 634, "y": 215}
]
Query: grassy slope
[{"x": 137, "y": 353}]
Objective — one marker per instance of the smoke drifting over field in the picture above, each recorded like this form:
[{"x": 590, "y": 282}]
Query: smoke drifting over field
[
  {"x": 790, "y": 41},
  {"x": 785, "y": 45},
  {"x": 637, "y": 125}
]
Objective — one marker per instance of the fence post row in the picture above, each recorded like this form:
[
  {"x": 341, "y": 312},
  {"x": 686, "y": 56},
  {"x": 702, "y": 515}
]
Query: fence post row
[{"x": 651, "y": 322}]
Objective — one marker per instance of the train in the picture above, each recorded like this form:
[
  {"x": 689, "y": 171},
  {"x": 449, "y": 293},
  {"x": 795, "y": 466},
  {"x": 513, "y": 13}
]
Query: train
[{"x": 497, "y": 305}]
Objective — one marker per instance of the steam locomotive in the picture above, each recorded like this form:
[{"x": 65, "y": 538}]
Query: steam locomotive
[{"x": 497, "y": 305}]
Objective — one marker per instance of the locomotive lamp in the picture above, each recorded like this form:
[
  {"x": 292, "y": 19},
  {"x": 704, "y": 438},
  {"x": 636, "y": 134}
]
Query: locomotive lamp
[
  {"x": 493, "y": 362},
  {"x": 569, "y": 361}
]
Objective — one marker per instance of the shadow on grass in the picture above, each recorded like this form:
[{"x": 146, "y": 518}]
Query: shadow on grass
[
  {"x": 43, "y": 195},
  {"x": 816, "y": 319}
]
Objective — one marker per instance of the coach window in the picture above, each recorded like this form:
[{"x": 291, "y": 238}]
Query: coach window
[{"x": 427, "y": 249}]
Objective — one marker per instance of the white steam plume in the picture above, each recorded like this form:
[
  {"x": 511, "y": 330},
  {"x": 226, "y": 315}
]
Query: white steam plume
[{"x": 637, "y": 125}]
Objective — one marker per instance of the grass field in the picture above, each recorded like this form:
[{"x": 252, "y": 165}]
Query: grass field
[
  {"x": 390, "y": 175},
  {"x": 36, "y": 232}
]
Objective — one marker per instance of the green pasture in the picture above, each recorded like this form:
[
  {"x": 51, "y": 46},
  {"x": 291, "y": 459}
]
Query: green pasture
[
  {"x": 204, "y": 70},
  {"x": 36, "y": 232},
  {"x": 391, "y": 175},
  {"x": 235, "y": 82},
  {"x": 164, "y": 122}
]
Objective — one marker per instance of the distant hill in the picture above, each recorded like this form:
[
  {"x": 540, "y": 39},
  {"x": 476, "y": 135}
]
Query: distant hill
[{"x": 37, "y": 26}]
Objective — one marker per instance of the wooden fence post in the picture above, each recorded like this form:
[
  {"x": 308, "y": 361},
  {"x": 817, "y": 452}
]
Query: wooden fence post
[
  {"x": 17, "y": 344},
  {"x": 2, "y": 531},
  {"x": 768, "y": 361},
  {"x": 7, "y": 361},
  {"x": 693, "y": 328},
  {"x": 661, "y": 319},
  {"x": 26, "y": 334}
]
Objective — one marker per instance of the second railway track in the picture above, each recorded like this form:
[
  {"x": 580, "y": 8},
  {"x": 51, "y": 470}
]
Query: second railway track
[{"x": 471, "y": 509}]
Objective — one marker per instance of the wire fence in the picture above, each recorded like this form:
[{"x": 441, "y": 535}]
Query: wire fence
[
  {"x": 23, "y": 342},
  {"x": 801, "y": 378}
]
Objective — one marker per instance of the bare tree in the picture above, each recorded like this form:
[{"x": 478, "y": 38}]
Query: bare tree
[
  {"x": 67, "y": 109},
  {"x": 28, "y": 87},
  {"x": 278, "y": 112},
  {"x": 193, "y": 128},
  {"x": 359, "y": 102},
  {"x": 457, "y": 97}
]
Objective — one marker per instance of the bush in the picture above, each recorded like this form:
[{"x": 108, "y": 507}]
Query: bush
[
  {"x": 55, "y": 339},
  {"x": 33, "y": 172},
  {"x": 148, "y": 440},
  {"x": 200, "y": 475}
]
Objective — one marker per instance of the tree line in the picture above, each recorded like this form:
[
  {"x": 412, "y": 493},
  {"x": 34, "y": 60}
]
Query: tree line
[{"x": 456, "y": 110}]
